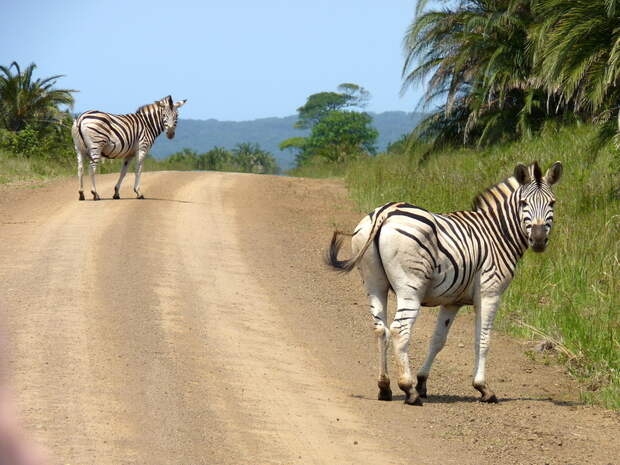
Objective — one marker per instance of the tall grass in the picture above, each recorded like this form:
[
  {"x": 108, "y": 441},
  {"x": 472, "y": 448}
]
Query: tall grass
[{"x": 571, "y": 293}]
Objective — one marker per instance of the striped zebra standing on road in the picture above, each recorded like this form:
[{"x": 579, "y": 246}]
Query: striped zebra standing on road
[
  {"x": 97, "y": 134},
  {"x": 450, "y": 260}
]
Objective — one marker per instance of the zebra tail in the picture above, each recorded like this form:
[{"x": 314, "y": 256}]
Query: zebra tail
[
  {"x": 331, "y": 258},
  {"x": 336, "y": 243}
]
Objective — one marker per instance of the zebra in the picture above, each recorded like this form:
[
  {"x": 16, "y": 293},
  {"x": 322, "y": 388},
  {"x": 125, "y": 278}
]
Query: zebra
[
  {"x": 97, "y": 134},
  {"x": 447, "y": 260}
]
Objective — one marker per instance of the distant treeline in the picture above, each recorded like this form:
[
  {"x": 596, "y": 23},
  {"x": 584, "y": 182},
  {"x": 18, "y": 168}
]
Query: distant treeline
[{"x": 246, "y": 157}]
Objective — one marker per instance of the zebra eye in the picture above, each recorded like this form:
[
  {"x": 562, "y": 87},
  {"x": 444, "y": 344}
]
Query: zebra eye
[
  {"x": 552, "y": 203},
  {"x": 522, "y": 203}
]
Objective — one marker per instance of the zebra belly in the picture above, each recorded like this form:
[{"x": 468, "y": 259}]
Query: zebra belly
[
  {"x": 432, "y": 299},
  {"x": 114, "y": 149},
  {"x": 441, "y": 291}
]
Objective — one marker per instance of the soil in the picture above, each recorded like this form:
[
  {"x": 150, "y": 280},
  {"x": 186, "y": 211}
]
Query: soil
[{"x": 200, "y": 326}]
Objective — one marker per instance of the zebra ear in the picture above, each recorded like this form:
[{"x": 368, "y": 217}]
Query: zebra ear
[
  {"x": 554, "y": 173},
  {"x": 537, "y": 172},
  {"x": 522, "y": 174},
  {"x": 180, "y": 103}
]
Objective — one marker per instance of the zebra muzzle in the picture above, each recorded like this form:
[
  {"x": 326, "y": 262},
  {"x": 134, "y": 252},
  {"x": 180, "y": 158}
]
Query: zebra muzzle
[{"x": 538, "y": 238}]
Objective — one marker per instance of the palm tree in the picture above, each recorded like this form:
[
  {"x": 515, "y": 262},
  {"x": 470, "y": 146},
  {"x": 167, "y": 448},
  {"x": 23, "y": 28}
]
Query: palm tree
[
  {"x": 26, "y": 101},
  {"x": 578, "y": 53},
  {"x": 215, "y": 159},
  {"x": 476, "y": 60},
  {"x": 252, "y": 159}
]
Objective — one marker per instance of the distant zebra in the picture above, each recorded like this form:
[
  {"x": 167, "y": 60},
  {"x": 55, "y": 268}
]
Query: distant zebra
[
  {"x": 451, "y": 260},
  {"x": 97, "y": 134}
]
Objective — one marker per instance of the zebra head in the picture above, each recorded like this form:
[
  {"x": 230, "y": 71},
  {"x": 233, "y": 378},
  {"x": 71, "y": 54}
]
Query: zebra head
[
  {"x": 170, "y": 114},
  {"x": 536, "y": 202}
]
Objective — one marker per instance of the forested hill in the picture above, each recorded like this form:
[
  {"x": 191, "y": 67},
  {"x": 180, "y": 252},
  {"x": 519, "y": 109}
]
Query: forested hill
[{"x": 203, "y": 135}]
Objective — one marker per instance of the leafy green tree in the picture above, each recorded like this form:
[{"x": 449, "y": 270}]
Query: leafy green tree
[
  {"x": 295, "y": 144},
  {"x": 341, "y": 135},
  {"x": 357, "y": 96},
  {"x": 336, "y": 134},
  {"x": 24, "y": 100},
  {"x": 320, "y": 105}
]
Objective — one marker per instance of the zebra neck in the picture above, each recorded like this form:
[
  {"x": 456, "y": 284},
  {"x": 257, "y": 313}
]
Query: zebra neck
[
  {"x": 507, "y": 226},
  {"x": 153, "y": 122}
]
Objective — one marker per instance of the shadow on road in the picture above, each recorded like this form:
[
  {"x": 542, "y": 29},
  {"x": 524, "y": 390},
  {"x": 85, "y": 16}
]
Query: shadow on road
[
  {"x": 450, "y": 399},
  {"x": 107, "y": 199}
]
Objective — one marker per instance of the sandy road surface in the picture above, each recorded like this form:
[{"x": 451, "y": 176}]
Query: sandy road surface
[{"x": 199, "y": 327}]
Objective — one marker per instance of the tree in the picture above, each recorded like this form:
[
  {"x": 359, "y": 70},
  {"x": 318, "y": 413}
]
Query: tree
[
  {"x": 340, "y": 136},
  {"x": 357, "y": 96},
  {"x": 216, "y": 159},
  {"x": 577, "y": 45},
  {"x": 478, "y": 61},
  {"x": 252, "y": 159},
  {"x": 26, "y": 101},
  {"x": 319, "y": 105},
  {"x": 297, "y": 145},
  {"x": 336, "y": 134}
]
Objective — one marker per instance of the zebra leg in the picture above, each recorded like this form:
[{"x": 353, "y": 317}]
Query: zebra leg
[
  {"x": 406, "y": 314},
  {"x": 378, "y": 307},
  {"x": 445, "y": 318},
  {"x": 93, "y": 170},
  {"x": 377, "y": 287},
  {"x": 136, "y": 186},
  {"x": 80, "y": 173},
  {"x": 117, "y": 188},
  {"x": 486, "y": 307}
]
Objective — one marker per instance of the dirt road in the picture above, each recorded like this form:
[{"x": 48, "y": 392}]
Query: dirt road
[{"x": 199, "y": 326}]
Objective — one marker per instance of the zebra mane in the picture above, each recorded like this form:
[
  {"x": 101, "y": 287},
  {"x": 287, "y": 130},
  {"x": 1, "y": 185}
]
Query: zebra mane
[
  {"x": 490, "y": 195},
  {"x": 145, "y": 108},
  {"x": 503, "y": 189}
]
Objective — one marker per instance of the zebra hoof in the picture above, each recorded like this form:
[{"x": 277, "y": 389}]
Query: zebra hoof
[
  {"x": 116, "y": 196},
  {"x": 413, "y": 401},
  {"x": 385, "y": 394},
  {"x": 489, "y": 399},
  {"x": 81, "y": 195},
  {"x": 420, "y": 387},
  {"x": 487, "y": 396},
  {"x": 141, "y": 196},
  {"x": 95, "y": 195}
]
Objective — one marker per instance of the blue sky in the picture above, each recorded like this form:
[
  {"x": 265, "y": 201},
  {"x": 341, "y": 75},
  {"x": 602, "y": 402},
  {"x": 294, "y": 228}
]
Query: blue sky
[{"x": 233, "y": 60}]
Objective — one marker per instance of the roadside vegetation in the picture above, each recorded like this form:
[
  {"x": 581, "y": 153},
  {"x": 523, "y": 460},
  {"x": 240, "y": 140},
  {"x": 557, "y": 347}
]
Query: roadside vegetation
[{"x": 516, "y": 81}]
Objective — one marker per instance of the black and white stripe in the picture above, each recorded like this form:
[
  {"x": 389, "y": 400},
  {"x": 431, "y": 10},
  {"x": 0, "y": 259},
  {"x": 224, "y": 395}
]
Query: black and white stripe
[
  {"x": 97, "y": 134},
  {"x": 448, "y": 260}
]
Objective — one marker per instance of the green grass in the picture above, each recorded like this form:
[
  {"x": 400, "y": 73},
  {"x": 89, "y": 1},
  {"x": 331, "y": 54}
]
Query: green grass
[
  {"x": 15, "y": 169},
  {"x": 20, "y": 169},
  {"x": 571, "y": 293}
]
